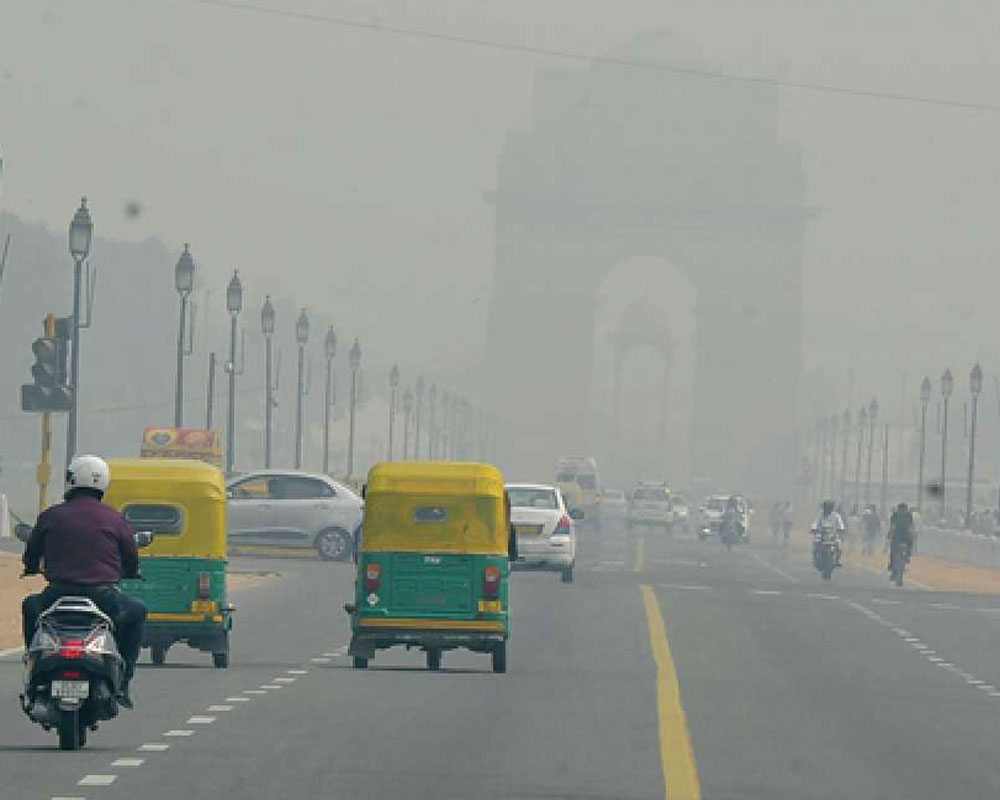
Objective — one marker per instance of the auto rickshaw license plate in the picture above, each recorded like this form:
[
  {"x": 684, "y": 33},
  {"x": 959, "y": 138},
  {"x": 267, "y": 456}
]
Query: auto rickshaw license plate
[{"x": 79, "y": 690}]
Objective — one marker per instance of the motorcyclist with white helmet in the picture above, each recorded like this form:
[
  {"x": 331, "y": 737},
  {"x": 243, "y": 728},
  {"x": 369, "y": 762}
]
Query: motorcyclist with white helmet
[{"x": 84, "y": 548}]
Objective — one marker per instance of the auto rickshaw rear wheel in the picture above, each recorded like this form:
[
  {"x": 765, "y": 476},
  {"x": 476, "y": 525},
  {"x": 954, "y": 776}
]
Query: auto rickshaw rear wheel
[
  {"x": 360, "y": 662},
  {"x": 433, "y": 658},
  {"x": 500, "y": 658},
  {"x": 220, "y": 658}
]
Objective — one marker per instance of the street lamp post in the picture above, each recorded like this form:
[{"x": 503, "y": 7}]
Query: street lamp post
[
  {"x": 418, "y": 408},
  {"x": 925, "y": 398},
  {"x": 862, "y": 426},
  {"x": 431, "y": 422},
  {"x": 234, "y": 304},
  {"x": 822, "y": 429},
  {"x": 947, "y": 384},
  {"x": 407, "y": 412},
  {"x": 393, "y": 390},
  {"x": 872, "y": 419},
  {"x": 330, "y": 351},
  {"x": 843, "y": 457},
  {"x": 445, "y": 422},
  {"x": 355, "y": 364},
  {"x": 184, "y": 282},
  {"x": 975, "y": 387},
  {"x": 834, "y": 430},
  {"x": 81, "y": 231},
  {"x": 301, "y": 339},
  {"x": 267, "y": 316}
]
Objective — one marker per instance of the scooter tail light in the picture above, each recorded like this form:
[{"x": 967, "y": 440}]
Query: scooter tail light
[
  {"x": 491, "y": 581},
  {"x": 71, "y": 648},
  {"x": 373, "y": 577}
]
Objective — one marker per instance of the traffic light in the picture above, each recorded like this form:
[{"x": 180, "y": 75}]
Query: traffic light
[{"x": 49, "y": 391}]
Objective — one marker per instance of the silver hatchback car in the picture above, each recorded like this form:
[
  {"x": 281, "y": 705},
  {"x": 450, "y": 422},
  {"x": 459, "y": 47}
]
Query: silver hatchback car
[{"x": 281, "y": 508}]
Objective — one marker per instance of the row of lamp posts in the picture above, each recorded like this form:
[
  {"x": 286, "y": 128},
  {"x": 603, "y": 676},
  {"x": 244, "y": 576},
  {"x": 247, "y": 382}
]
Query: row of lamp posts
[{"x": 825, "y": 441}]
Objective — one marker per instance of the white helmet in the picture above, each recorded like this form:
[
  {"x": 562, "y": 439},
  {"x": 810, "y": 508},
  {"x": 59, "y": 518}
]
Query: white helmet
[{"x": 88, "y": 472}]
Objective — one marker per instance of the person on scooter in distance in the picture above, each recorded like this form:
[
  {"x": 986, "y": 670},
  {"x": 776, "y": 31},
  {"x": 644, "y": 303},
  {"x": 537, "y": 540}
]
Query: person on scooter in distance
[
  {"x": 829, "y": 518},
  {"x": 901, "y": 532},
  {"x": 84, "y": 548}
]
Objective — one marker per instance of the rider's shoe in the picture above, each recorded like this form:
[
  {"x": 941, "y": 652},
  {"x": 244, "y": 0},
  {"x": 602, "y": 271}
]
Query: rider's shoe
[{"x": 125, "y": 697}]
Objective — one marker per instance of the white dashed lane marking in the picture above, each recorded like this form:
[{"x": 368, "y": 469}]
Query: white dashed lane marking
[
  {"x": 128, "y": 762},
  {"x": 254, "y": 691},
  {"x": 237, "y": 699},
  {"x": 179, "y": 733},
  {"x": 201, "y": 720},
  {"x": 321, "y": 660},
  {"x": 97, "y": 780},
  {"x": 947, "y": 606},
  {"x": 766, "y": 592},
  {"x": 271, "y": 686},
  {"x": 154, "y": 747},
  {"x": 284, "y": 680},
  {"x": 220, "y": 708},
  {"x": 298, "y": 672}
]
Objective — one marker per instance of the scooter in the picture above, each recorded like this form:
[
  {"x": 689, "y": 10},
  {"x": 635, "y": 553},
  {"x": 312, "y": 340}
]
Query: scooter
[{"x": 73, "y": 671}]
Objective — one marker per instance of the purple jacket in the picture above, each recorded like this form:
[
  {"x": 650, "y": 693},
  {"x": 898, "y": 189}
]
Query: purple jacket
[{"x": 82, "y": 542}]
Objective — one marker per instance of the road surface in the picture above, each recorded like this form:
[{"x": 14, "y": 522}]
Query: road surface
[{"x": 789, "y": 687}]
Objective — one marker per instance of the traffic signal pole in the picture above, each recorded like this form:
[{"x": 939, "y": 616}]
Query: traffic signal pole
[{"x": 44, "y": 472}]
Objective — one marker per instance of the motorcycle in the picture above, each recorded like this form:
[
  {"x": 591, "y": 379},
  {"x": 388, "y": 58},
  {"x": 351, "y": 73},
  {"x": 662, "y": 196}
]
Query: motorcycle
[
  {"x": 73, "y": 671},
  {"x": 730, "y": 533},
  {"x": 826, "y": 551}
]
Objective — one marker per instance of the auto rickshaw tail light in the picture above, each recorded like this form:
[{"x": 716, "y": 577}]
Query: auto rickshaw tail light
[
  {"x": 491, "y": 580},
  {"x": 204, "y": 585},
  {"x": 373, "y": 577}
]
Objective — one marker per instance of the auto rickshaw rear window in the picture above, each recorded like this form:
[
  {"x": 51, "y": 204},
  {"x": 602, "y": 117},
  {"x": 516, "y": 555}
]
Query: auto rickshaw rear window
[
  {"x": 154, "y": 517},
  {"x": 430, "y": 514}
]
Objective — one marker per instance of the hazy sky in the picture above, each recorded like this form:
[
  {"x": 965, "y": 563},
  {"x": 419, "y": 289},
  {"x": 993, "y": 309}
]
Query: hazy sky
[{"x": 341, "y": 163}]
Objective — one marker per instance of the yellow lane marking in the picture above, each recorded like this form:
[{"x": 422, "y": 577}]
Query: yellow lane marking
[
  {"x": 680, "y": 773},
  {"x": 640, "y": 554}
]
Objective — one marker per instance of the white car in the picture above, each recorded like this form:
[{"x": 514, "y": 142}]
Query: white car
[
  {"x": 282, "y": 508},
  {"x": 650, "y": 505},
  {"x": 546, "y": 537},
  {"x": 613, "y": 504}
]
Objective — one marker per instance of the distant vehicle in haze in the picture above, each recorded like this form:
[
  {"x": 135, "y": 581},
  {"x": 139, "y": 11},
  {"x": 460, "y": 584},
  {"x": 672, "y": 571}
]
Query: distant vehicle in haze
[
  {"x": 292, "y": 509},
  {"x": 614, "y": 504},
  {"x": 650, "y": 505},
  {"x": 580, "y": 480},
  {"x": 682, "y": 514},
  {"x": 546, "y": 537}
]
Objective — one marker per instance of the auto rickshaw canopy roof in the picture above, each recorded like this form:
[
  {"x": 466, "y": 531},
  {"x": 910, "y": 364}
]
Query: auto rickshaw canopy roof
[
  {"x": 181, "y": 501},
  {"x": 435, "y": 507}
]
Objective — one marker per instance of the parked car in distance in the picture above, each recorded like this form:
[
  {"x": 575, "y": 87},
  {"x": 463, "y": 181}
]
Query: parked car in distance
[
  {"x": 544, "y": 526},
  {"x": 286, "y": 508}
]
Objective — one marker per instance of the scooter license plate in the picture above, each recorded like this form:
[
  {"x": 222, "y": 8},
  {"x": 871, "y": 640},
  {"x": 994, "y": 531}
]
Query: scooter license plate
[{"x": 79, "y": 690}]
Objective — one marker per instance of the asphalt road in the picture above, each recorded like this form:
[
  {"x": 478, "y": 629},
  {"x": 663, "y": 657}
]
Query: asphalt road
[{"x": 789, "y": 688}]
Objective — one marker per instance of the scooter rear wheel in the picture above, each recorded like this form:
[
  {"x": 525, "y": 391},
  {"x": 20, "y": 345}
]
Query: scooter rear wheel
[{"x": 72, "y": 735}]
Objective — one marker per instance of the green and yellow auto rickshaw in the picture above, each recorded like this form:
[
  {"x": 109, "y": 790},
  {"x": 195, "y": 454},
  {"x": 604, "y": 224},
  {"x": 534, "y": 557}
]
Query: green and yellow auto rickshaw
[
  {"x": 183, "y": 504},
  {"x": 433, "y": 562}
]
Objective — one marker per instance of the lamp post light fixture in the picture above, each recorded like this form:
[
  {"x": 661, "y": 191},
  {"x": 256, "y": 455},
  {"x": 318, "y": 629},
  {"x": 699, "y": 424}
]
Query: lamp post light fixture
[
  {"x": 925, "y": 398},
  {"x": 301, "y": 340},
  {"x": 184, "y": 283},
  {"x": 393, "y": 391},
  {"x": 355, "y": 361},
  {"x": 947, "y": 385},
  {"x": 418, "y": 408},
  {"x": 234, "y": 305},
  {"x": 267, "y": 319},
  {"x": 81, "y": 231},
  {"x": 407, "y": 412},
  {"x": 872, "y": 419},
  {"x": 975, "y": 387},
  {"x": 330, "y": 352}
]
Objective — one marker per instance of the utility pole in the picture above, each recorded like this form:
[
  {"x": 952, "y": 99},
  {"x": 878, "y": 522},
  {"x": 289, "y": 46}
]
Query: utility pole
[{"x": 210, "y": 398}]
